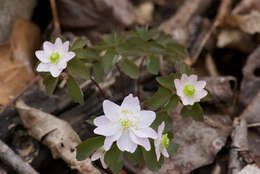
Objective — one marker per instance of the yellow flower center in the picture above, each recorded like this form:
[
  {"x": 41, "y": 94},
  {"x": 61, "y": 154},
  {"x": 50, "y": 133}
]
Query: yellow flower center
[
  {"x": 165, "y": 141},
  {"x": 125, "y": 123},
  {"x": 189, "y": 89},
  {"x": 55, "y": 57}
]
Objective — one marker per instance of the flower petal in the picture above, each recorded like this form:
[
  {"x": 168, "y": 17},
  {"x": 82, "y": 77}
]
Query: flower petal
[
  {"x": 43, "y": 67},
  {"x": 141, "y": 141},
  {"x": 193, "y": 78},
  {"x": 66, "y": 46},
  {"x": 160, "y": 129},
  {"x": 157, "y": 152},
  {"x": 42, "y": 56},
  {"x": 95, "y": 156},
  {"x": 131, "y": 103},
  {"x": 58, "y": 44},
  {"x": 104, "y": 165},
  {"x": 145, "y": 133},
  {"x": 55, "y": 71},
  {"x": 107, "y": 130},
  {"x": 201, "y": 94},
  {"x": 146, "y": 118},
  {"x": 125, "y": 144},
  {"x": 200, "y": 85},
  {"x": 101, "y": 120},
  {"x": 184, "y": 78},
  {"x": 188, "y": 100},
  {"x": 111, "y": 110},
  {"x": 165, "y": 153},
  {"x": 48, "y": 47},
  {"x": 69, "y": 56},
  {"x": 111, "y": 139}
]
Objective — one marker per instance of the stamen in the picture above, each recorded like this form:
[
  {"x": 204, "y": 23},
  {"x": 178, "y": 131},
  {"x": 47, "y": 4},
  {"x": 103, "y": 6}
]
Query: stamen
[{"x": 189, "y": 89}]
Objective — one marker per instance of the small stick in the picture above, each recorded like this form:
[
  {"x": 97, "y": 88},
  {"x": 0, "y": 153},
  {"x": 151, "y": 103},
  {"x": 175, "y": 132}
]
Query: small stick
[
  {"x": 55, "y": 16},
  {"x": 253, "y": 125},
  {"x": 31, "y": 83},
  {"x": 121, "y": 79},
  {"x": 99, "y": 88},
  {"x": 222, "y": 12},
  {"x": 8, "y": 156},
  {"x": 138, "y": 80}
]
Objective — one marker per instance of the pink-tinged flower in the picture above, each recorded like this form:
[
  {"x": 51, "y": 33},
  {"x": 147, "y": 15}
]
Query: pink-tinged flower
[
  {"x": 127, "y": 124},
  {"x": 54, "y": 57},
  {"x": 189, "y": 89},
  {"x": 100, "y": 154},
  {"x": 161, "y": 143}
]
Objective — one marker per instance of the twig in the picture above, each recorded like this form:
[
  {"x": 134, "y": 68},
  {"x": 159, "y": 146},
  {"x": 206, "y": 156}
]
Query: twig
[
  {"x": 139, "y": 80},
  {"x": 253, "y": 125},
  {"x": 8, "y": 156},
  {"x": 99, "y": 88},
  {"x": 211, "y": 66},
  {"x": 239, "y": 143},
  {"x": 55, "y": 16},
  {"x": 31, "y": 83},
  {"x": 121, "y": 79},
  {"x": 223, "y": 10}
]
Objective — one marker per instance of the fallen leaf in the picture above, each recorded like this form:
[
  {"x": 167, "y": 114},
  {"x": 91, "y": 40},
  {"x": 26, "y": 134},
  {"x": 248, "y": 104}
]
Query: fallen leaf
[
  {"x": 10, "y": 11},
  {"x": 16, "y": 67},
  {"x": 251, "y": 81},
  {"x": 103, "y": 15},
  {"x": 56, "y": 134},
  {"x": 250, "y": 169},
  {"x": 199, "y": 142}
]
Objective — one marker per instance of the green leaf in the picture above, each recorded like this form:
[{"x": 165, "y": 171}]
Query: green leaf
[
  {"x": 153, "y": 64},
  {"x": 110, "y": 38},
  {"x": 114, "y": 159},
  {"x": 146, "y": 34},
  {"x": 167, "y": 82},
  {"x": 74, "y": 90},
  {"x": 172, "y": 148},
  {"x": 98, "y": 72},
  {"x": 135, "y": 157},
  {"x": 79, "y": 43},
  {"x": 88, "y": 54},
  {"x": 160, "y": 117},
  {"x": 109, "y": 60},
  {"x": 194, "y": 111},
  {"x": 172, "y": 104},
  {"x": 150, "y": 159},
  {"x": 78, "y": 68},
  {"x": 87, "y": 147},
  {"x": 50, "y": 83},
  {"x": 158, "y": 99},
  {"x": 129, "y": 68}
]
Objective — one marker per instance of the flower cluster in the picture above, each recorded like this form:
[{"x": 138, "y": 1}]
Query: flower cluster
[{"x": 128, "y": 125}]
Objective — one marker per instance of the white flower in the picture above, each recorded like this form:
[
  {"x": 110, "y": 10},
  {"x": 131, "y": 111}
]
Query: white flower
[
  {"x": 54, "y": 57},
  {"x": 127, "y": 124},
  {"x": 100, "y": 154},
  {"x": 189, "y": 89},
  {"x": 161, "y": 143}
]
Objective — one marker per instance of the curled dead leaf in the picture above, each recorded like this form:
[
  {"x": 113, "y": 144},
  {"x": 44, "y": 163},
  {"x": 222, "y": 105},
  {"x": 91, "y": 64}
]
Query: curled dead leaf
[
  {"x": 16, "y": 56},
  {"x": 55, "y": 133},
  {"x": 198, "y": 142}
]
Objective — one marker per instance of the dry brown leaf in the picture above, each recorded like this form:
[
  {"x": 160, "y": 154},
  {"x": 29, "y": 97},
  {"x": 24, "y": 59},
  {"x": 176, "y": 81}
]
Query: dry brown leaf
[
  {"x": 103, "y": 15},
  {"x": 198, "y": 142},
  {"x": 251, "y": 81},
  {"x": 16, "y": 59},
  {"x": 55, "y": 133},
  {"x": 10, "y": 11}
]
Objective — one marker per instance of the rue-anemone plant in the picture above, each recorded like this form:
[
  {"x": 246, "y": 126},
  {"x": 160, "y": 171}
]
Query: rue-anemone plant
[{"x": 126, "y": 130}]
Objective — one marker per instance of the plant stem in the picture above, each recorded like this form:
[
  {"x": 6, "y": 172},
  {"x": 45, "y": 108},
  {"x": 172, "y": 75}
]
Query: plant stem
[
  {"x": 121, "y": 79},
  {"x": 139, "y": 80},
  {"x": 99, "y": 88}
]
